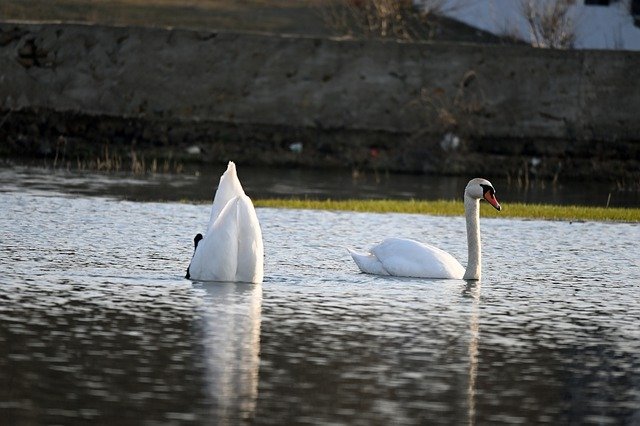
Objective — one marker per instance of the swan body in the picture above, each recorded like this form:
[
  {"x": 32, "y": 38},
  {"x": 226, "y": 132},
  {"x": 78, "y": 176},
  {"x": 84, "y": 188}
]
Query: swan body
[
  {"x": 231, "y": 248},
  {"x": 408, "y": 258}
]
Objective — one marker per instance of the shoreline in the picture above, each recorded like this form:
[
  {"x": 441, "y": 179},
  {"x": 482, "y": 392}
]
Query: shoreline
[
  {"x": 455, "y": 208},
  {"x": 206, "y": 97},
  {"x": 440, "y": 207}
]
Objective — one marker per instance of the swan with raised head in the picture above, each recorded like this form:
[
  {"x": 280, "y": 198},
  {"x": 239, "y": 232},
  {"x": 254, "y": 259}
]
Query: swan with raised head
[
  {"x": 408, "y": 258},
  {"x": 231, "y": 248}
]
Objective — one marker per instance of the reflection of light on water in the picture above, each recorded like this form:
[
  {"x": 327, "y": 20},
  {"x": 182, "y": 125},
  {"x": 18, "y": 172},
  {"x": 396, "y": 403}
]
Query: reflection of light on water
[
  {"x": 232, "y": 347},
  {"x": 99, "y": 326},
  {"x": 474, "y": 328},
  {"x": 196, "y": 184}
]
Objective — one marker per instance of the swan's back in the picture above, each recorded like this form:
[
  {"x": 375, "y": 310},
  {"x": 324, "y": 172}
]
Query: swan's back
[{"x": 408, "y": 258}]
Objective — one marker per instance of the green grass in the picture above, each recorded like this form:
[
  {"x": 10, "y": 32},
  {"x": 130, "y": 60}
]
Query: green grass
[{"x": 455, "y": 208}]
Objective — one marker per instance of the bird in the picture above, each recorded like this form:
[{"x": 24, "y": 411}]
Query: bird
[
  {"x": 404, "y": 257},
  {"x": 196, "y": 240},
  {"x": 231, "y": 249}
]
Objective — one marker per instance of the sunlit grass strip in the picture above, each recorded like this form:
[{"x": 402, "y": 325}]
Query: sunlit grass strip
[{"x": 455, "y": 208}]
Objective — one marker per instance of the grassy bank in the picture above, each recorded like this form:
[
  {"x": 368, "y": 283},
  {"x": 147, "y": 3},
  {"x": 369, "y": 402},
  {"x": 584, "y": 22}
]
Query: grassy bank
[{"x": 454, "y": 208}]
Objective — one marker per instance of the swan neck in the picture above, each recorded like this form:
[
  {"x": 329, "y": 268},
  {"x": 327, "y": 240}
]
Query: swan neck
[{"x": 472, "y": 215}]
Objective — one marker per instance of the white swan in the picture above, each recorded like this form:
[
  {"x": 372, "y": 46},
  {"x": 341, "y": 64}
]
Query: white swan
[
  {"x": 231, "y": 249},
  {"x": 407, "y": 258}
]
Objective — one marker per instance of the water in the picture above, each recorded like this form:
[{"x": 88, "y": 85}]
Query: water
[
  {"x": 197, "y": 183},
  {"x": 98, "y": 325}
]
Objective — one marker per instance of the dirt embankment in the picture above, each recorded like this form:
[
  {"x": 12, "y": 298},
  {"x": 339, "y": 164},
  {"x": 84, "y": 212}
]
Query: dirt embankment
[{"x": 72, "y": 90}]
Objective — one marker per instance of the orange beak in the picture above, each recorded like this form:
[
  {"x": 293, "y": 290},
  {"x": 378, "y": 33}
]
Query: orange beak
[{"x": 491, "y": 199}]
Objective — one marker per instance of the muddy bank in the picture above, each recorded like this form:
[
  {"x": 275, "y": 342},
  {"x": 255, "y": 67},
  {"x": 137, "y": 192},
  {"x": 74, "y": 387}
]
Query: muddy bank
[
  {"x": 74, "y": 90},
  {"x": 81, "y": 140}
]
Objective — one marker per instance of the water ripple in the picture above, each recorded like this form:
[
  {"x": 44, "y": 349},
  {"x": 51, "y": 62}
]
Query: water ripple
[{"x": 97, "y": 323}]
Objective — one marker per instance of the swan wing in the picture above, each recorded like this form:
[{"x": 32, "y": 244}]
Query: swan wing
[
  {"x": 250, "y": 247},
  {"x": 228, "y": 188},
  {"x": 408, "y": 258},
  {"x": 216, "y": 257}
]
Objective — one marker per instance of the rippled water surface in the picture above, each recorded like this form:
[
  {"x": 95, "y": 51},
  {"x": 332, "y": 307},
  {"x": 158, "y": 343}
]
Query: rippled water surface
[
  {"x": 197, "y": 183},
  {"x": 97, "y": 323}
]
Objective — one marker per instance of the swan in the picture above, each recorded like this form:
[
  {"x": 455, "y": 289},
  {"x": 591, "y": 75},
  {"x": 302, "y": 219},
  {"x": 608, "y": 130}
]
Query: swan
[
  {"x": 231, "y": 248},
  {"x": 408, "y": 258}
]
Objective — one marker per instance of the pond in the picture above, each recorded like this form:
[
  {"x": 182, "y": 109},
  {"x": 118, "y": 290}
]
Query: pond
[
  {"x": 97, "y": 323},
  {"x": 198, "y": 182}
]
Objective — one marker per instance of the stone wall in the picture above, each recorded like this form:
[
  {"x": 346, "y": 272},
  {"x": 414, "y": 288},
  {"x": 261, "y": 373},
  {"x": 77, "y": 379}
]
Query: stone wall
[{"x": 269, "y": 99}]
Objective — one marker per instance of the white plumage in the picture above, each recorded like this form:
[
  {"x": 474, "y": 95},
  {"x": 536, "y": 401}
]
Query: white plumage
[
  {"x": 232, "y": 248},
  {"x": 408, "y": 258}
]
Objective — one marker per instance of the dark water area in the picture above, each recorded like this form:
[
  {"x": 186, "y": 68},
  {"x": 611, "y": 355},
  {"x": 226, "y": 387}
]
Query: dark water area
[
  {"x": 198, "y": 184},
  {"x": 99, "y": 326}
]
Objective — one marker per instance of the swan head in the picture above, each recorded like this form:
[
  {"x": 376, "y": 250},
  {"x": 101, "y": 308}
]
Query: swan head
[
  {"x": 196, "y": 240},
  {"x": 479, "y": 188}
]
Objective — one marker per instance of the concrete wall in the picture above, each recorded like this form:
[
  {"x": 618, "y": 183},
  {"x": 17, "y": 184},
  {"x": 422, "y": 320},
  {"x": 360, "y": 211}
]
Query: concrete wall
[{"x": 507, "y": 102}]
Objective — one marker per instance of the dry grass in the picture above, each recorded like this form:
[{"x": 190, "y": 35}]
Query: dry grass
[
  {"x": 396, "y": 19},
  {"x": 454, "y": 113},
  {"x": 550, "y": 23},
  {"x": 111, "y": 162}
]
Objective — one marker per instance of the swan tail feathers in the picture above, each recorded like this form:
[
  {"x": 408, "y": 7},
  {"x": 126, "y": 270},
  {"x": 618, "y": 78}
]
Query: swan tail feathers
[
  {"x": 228, "y": 188},
  {"x": 368, "y": 263}
]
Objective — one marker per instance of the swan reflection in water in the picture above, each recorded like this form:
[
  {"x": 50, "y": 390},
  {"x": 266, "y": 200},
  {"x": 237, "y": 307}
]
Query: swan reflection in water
[
  {"x": 231, "y": 333},
  {"x": 472, "y": 290}
]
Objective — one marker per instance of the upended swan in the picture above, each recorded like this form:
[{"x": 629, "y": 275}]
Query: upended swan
[
  {"x": 408, "y": 258},
  {"x": 231, "y": 248}
]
